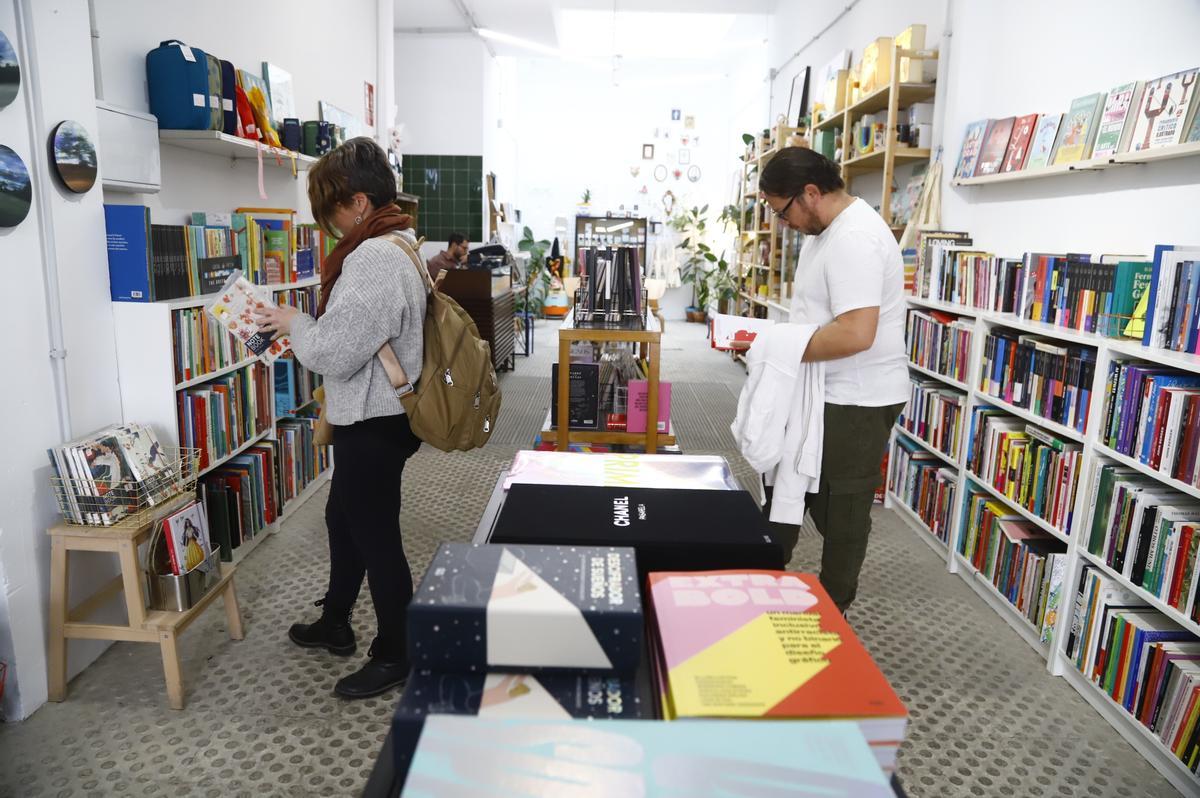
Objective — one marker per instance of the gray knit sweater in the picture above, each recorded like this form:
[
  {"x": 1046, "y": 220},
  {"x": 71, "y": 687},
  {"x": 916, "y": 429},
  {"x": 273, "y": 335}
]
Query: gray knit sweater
[{"x": 380, "y": 296}]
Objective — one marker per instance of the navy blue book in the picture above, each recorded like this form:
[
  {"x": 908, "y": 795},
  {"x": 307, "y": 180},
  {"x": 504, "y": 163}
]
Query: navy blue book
[
  {"x": 127, "y": 229},
  {"x": 549, "y": 696},
  {"x": 671, "y": 530},
  {"x": 487, "y": 607}
]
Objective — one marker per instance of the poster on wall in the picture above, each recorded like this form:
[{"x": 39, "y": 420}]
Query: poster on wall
[
  {"x": 798, "y": 98},
  {"x": 675, "y": 114},
  {"x": 10, "y": 72},
  {"x": 647, "y": 152},
  {"x": 334, "y": 115},
  {"x": 369, "y": 103},
  {"x": 16, "y": 190},
  {"x": 74, "y": 156}
]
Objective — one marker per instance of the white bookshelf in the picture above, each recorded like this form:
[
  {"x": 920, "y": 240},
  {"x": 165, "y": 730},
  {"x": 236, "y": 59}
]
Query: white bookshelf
[
  {"x": 214, "y": 142},
  {"x": 1093, "y": 450},
  {"x": 1090, "y": 165}
]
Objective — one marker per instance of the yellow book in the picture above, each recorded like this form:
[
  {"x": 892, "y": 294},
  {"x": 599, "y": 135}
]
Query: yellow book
[
  {"x": 1136, "y": 327},
  {"x": 1077, "y": 134}
]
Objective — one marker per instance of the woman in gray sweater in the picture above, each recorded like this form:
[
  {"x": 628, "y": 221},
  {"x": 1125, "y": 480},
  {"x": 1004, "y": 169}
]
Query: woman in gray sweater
[{"x": 372, "y": 295}]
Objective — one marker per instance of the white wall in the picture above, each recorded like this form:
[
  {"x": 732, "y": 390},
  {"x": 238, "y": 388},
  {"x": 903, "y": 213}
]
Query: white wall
[
  {"x": 440, "y": 93},
  {"x": 1124, "y": 210},
  {"x": 330, "y": 56},
  {"x": 60, "y": 249}
]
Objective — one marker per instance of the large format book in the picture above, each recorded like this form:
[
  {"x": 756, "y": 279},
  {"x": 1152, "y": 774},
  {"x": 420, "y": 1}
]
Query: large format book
[
  {"x": 771, "y": 645},
  {"x": 1041, "y": 148},
  {"x": 671, "y": 530},
  {"x": 1162, "y": 114},
  {"x": 127, "y": 230},
  {"x": 188, "y": 543},
  {"x": 1117, "y": 121},
  {"x": 583, "y": 402},
  {"x": 236, "y": 307},
  {"x": 1018, "y": 144},
  {"x": 995, "y": 145},
  {"x": 664, "y": 471},
  {"x": 972, "y": 144},
  {"x": 481, "y": 607},
  {"x": 505, "y": 757},
  {"x": 544, "y": 696},
  {"x": 1077, "y": 132}
]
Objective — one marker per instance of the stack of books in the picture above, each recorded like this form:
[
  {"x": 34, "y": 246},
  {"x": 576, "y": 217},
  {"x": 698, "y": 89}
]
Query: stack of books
[
  {"x": 1143, "y": 661},
  {"x": 1024, "y": 563},
  {"x": 925, "y": 484},
  {"x": 1028, "y": 371},
  {"x": 766, "y": 645},
  {"x": 1030, "y": 466},
  {"x": 939, "y": 342},
  {"x": 1147, "y": 533},
  {"x": 1152, "y": 414},
  {"x": 659, "y": 471}
]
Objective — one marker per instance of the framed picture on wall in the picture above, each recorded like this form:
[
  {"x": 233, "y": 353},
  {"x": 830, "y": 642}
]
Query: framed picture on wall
[
  {"x": 675, "y": 114},
  {"x": 798, "y": 97},
  {"x": 685, "y": 155},
  {"x": 647, "y": 152},
  {"x": 369, "y": 103}
]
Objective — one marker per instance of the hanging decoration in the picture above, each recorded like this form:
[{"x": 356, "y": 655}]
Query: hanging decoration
[
  {"x": 689, "y": 122},
  {"x": 660, "y": 173},
  {"x": 675, "y": 114},
  {"x": 685, "y": 156},
  {"x": 16, "y": 190},
  {"x": 693, "y": 173},
  {"x": 10, "y": 72},
  {"x": 668, "y": 202},
  {"x": 678, "y": 173},
  {"x": 647, "y": 152},
  {"x": 634, "y": 171},
  {"x": 74, "y": 156}
]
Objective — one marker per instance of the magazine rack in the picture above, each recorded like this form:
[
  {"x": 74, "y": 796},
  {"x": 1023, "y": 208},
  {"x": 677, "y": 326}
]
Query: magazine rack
[
  {"x": 154, "y": 626},
  {"x": 127, "y": 504}
]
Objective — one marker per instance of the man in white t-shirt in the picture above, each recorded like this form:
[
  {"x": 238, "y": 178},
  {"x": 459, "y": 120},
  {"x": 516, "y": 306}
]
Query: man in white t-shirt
[{"x": 850, "y": 281}]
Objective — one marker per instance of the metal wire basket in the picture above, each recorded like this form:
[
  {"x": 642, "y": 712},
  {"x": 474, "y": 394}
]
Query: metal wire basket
[{"x": 127, "y": 503}]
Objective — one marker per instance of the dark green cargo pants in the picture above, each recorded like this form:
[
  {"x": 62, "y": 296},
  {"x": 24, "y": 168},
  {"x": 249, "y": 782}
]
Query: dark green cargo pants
[{"x": 855, "y": 438}]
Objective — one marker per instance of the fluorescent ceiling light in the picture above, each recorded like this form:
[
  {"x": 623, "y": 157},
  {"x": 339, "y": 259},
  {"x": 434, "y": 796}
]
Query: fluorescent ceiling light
[{"x": 517, "y": 41}]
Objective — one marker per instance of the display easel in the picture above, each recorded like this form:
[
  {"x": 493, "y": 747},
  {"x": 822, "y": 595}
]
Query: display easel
[
  {"x": 651, "y": 339},
  {"x": 142, "y": 626}
]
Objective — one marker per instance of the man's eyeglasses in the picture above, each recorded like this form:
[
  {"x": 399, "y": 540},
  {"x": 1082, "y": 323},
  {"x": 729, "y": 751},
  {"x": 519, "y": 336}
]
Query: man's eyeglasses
[{"x": 782, "y": 213}]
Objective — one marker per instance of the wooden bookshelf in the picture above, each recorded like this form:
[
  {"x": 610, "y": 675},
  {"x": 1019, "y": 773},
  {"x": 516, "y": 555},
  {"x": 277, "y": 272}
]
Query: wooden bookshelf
[{"x": 1094, "y": 453}]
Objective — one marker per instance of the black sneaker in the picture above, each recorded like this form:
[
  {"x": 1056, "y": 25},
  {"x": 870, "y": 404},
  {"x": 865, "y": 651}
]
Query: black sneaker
[
  {"x": 330, "y": 633},
  {"x": 374, "y": 678}
]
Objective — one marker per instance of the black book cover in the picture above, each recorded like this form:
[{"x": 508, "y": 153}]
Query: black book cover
[
  {"x": 672, "y": 530},
  {"x": 482, "y": 607},
  {"x": 215, "y": 271},
  {"x": 584, "y": 400},
  {"x": 234, "y": 502},
  {"x": 1138, "y": 572},
  {"x": 551, "y": 696},
  {"x": 218, "y": 518},
  {"x": 1168, "y": 672}
]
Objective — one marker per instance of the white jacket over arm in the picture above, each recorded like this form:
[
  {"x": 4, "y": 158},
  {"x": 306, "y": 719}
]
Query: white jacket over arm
[{"x": 780, "y": 423}]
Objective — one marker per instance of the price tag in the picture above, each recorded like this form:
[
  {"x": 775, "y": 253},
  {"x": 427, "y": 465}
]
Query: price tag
[
  {"x": 187, "y": 53},
  {"x": 198, "y": 100},
  {"x": 227, "y": 105},
  {"x": 214, "y": 102}
]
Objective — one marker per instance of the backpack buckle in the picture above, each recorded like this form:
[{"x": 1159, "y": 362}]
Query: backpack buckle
[
  {"x": 447, "y": 377},
  {"x": 477, "y": 400}
]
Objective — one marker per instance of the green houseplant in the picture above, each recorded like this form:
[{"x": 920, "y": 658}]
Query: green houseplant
[{"x": 537, "y": 280}]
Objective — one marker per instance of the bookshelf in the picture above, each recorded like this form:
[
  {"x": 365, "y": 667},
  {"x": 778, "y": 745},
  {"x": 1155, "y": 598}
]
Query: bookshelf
[
  {"x": 214, "y": 142},
  {"x": 1091, "y": 165},
  {"x": 1094, "y": 452}
]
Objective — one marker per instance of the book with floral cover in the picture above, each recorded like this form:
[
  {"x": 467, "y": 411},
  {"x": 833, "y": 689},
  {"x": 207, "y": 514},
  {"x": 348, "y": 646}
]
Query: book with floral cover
[{"x": 236, "y": 305}]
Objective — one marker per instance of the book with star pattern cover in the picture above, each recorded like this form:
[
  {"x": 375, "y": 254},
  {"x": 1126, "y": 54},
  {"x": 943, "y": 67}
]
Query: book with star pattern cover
[{"x": 486, "y": 607}]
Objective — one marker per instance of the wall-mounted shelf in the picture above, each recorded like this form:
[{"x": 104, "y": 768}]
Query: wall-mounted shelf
[
  {"x": 1091, "y": 165},
  {"x": 214, "y": 142}
]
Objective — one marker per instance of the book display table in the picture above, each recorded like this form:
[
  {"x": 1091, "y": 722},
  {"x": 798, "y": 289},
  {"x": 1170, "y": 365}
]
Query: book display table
[
  {"x": 143, "y": 626},
  {"x": 649, "y": 341}
]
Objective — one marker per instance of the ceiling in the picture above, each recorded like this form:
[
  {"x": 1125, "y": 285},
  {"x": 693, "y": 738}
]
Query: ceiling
[{"x": 590, "y": 29}]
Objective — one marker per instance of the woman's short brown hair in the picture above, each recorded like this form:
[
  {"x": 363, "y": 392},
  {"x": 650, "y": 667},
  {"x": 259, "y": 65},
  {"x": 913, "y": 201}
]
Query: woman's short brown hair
[{"x": 358, "y": 165}]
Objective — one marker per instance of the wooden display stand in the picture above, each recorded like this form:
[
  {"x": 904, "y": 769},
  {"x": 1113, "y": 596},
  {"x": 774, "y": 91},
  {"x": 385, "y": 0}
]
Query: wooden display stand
[
  {"x": 143, "y": 626},
  {"x": 651, "y": 338}
]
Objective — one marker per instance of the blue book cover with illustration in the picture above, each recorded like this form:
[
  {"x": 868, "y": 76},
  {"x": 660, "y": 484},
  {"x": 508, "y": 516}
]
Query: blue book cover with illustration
[
  {"x": 514, "y": 606},
  {"x": 655, "y": 759}
]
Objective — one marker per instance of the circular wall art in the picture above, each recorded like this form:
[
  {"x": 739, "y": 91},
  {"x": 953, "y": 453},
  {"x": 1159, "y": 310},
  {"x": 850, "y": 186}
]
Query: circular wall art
[
  {"x": 693, "y": 173},
  {"x": 74, "y": 156},
  {"x": 660, "y": 172},
  {"x": 10, "y": 71},
  {"x": 16, "y": 192}
]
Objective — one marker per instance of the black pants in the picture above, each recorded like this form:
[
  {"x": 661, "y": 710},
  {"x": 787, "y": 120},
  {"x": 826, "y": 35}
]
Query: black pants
[
  {"x": 855, "y": 439},
  {"x": 363, "y": 517}
]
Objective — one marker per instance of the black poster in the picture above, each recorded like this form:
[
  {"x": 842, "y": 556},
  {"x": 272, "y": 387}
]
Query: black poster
[
  {"x": 215, "y": 271},
  {"x": 584, "y": 402}
]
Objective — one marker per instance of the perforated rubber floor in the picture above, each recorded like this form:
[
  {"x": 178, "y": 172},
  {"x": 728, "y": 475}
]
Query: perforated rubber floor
[{"x": 261, "y": 720}]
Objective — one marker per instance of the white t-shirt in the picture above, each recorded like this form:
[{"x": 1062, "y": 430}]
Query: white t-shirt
[{"x": 855, "y": 264}]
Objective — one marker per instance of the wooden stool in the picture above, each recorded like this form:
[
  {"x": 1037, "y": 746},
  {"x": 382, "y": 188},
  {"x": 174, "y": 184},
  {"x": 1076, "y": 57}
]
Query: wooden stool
[{"x": 144, "y": 626}]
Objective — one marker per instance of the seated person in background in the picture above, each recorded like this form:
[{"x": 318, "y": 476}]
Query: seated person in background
[{"x": 454, "y": 256}]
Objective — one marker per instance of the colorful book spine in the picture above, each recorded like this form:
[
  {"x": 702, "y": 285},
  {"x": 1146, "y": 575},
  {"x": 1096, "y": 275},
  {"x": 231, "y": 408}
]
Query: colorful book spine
[
  {"x": 939, "y": 342},
  {"x": 935, "y": 415},
  {"x": 925, "y": 485}
]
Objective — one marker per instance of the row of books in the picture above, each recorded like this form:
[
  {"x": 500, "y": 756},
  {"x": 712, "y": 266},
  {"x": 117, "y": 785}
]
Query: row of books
[
  {"x": 150, "y": 262},
  {"x": 1035, "y": 373},
  {"x": 242, "y": 497},
  {"x": 610, "y": 290},
  {"x": 1146, "y": 533},
  {"x": 1152, "y": 414},
  {"x": 939, "y": 342},
  {"x": 976, "y": 279},
  {"x": 294, "y": 386},
  {"x": 1024, "y": 563},
  {"x": 1141, "y": 660},
  {"x": 221, "y": 415},
  {"x": 1171, "y": 318},
  {"x": 1133, "y": 117},
  {"x": 201, "y": 345},
  {"x": 935, "y": 415},
  {"x": 112, "y": 472},
  {"x": 925, "y": 484},
  {"x": 301, "y": 461},
  {"x": 1033, "y": 468},
  {"x": 304, "y": 299}
]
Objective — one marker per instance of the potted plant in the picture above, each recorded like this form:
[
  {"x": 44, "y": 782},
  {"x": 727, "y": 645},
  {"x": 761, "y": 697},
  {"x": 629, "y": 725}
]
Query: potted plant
[{"x": 537, "y": 281}]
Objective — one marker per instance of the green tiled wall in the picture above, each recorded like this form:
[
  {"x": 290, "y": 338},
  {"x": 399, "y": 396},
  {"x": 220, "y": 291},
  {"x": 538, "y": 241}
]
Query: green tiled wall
[{"x": 451, "y": 192}]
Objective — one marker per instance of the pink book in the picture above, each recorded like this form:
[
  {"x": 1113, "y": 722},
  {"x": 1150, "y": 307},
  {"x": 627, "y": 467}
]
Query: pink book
[{"x": 639, "y": 406}]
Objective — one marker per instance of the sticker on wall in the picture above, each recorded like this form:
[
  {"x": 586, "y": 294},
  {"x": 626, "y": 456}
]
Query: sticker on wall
[
  {"x": 10, "y": 72},
  {"x": 685, "y": 156},
  {"x": 660, "y": 173},
  {"x": 74, "y": 156},
  {"x": 647, "y": 152},
  {"x": 694, "y": 173},
  {"x": 674, "y": 114},
  {"x": 634, "y": 171},
  {"x": 689, "y": 122},
  {"x": 16, "y": 191}
]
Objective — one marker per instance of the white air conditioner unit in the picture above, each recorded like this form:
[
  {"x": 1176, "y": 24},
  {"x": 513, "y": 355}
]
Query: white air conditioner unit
[{"x": 129, "y": 150}]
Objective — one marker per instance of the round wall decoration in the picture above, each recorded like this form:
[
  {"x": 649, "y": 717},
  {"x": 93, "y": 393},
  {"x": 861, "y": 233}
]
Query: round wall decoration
[
  {"x": 16, "y": 191},
  {"x": 660, "y": 172},
  {"x": 10, "y": 71},
  {"x": 74, "y": 156},
  {"x": 693, "y": 173}
]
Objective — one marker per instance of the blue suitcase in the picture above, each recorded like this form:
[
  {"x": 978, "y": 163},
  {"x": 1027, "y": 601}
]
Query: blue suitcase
[{"x": 177, "y": 76}]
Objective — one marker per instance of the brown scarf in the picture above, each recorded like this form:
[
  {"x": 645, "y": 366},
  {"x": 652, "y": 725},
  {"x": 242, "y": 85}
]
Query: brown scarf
[{"x": 379, "y": 222}]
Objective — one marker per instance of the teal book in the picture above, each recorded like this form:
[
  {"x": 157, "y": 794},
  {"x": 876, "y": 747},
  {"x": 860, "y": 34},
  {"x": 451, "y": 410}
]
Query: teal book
[{"x": 656, "y": 759}]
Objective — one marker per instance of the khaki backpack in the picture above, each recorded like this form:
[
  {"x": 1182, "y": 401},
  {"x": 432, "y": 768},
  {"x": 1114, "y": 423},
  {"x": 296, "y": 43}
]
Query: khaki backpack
[{"x": 455, "y": 403}]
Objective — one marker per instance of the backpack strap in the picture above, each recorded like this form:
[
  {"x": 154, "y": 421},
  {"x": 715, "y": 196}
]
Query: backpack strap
[{"x": 387, "y": 358}]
